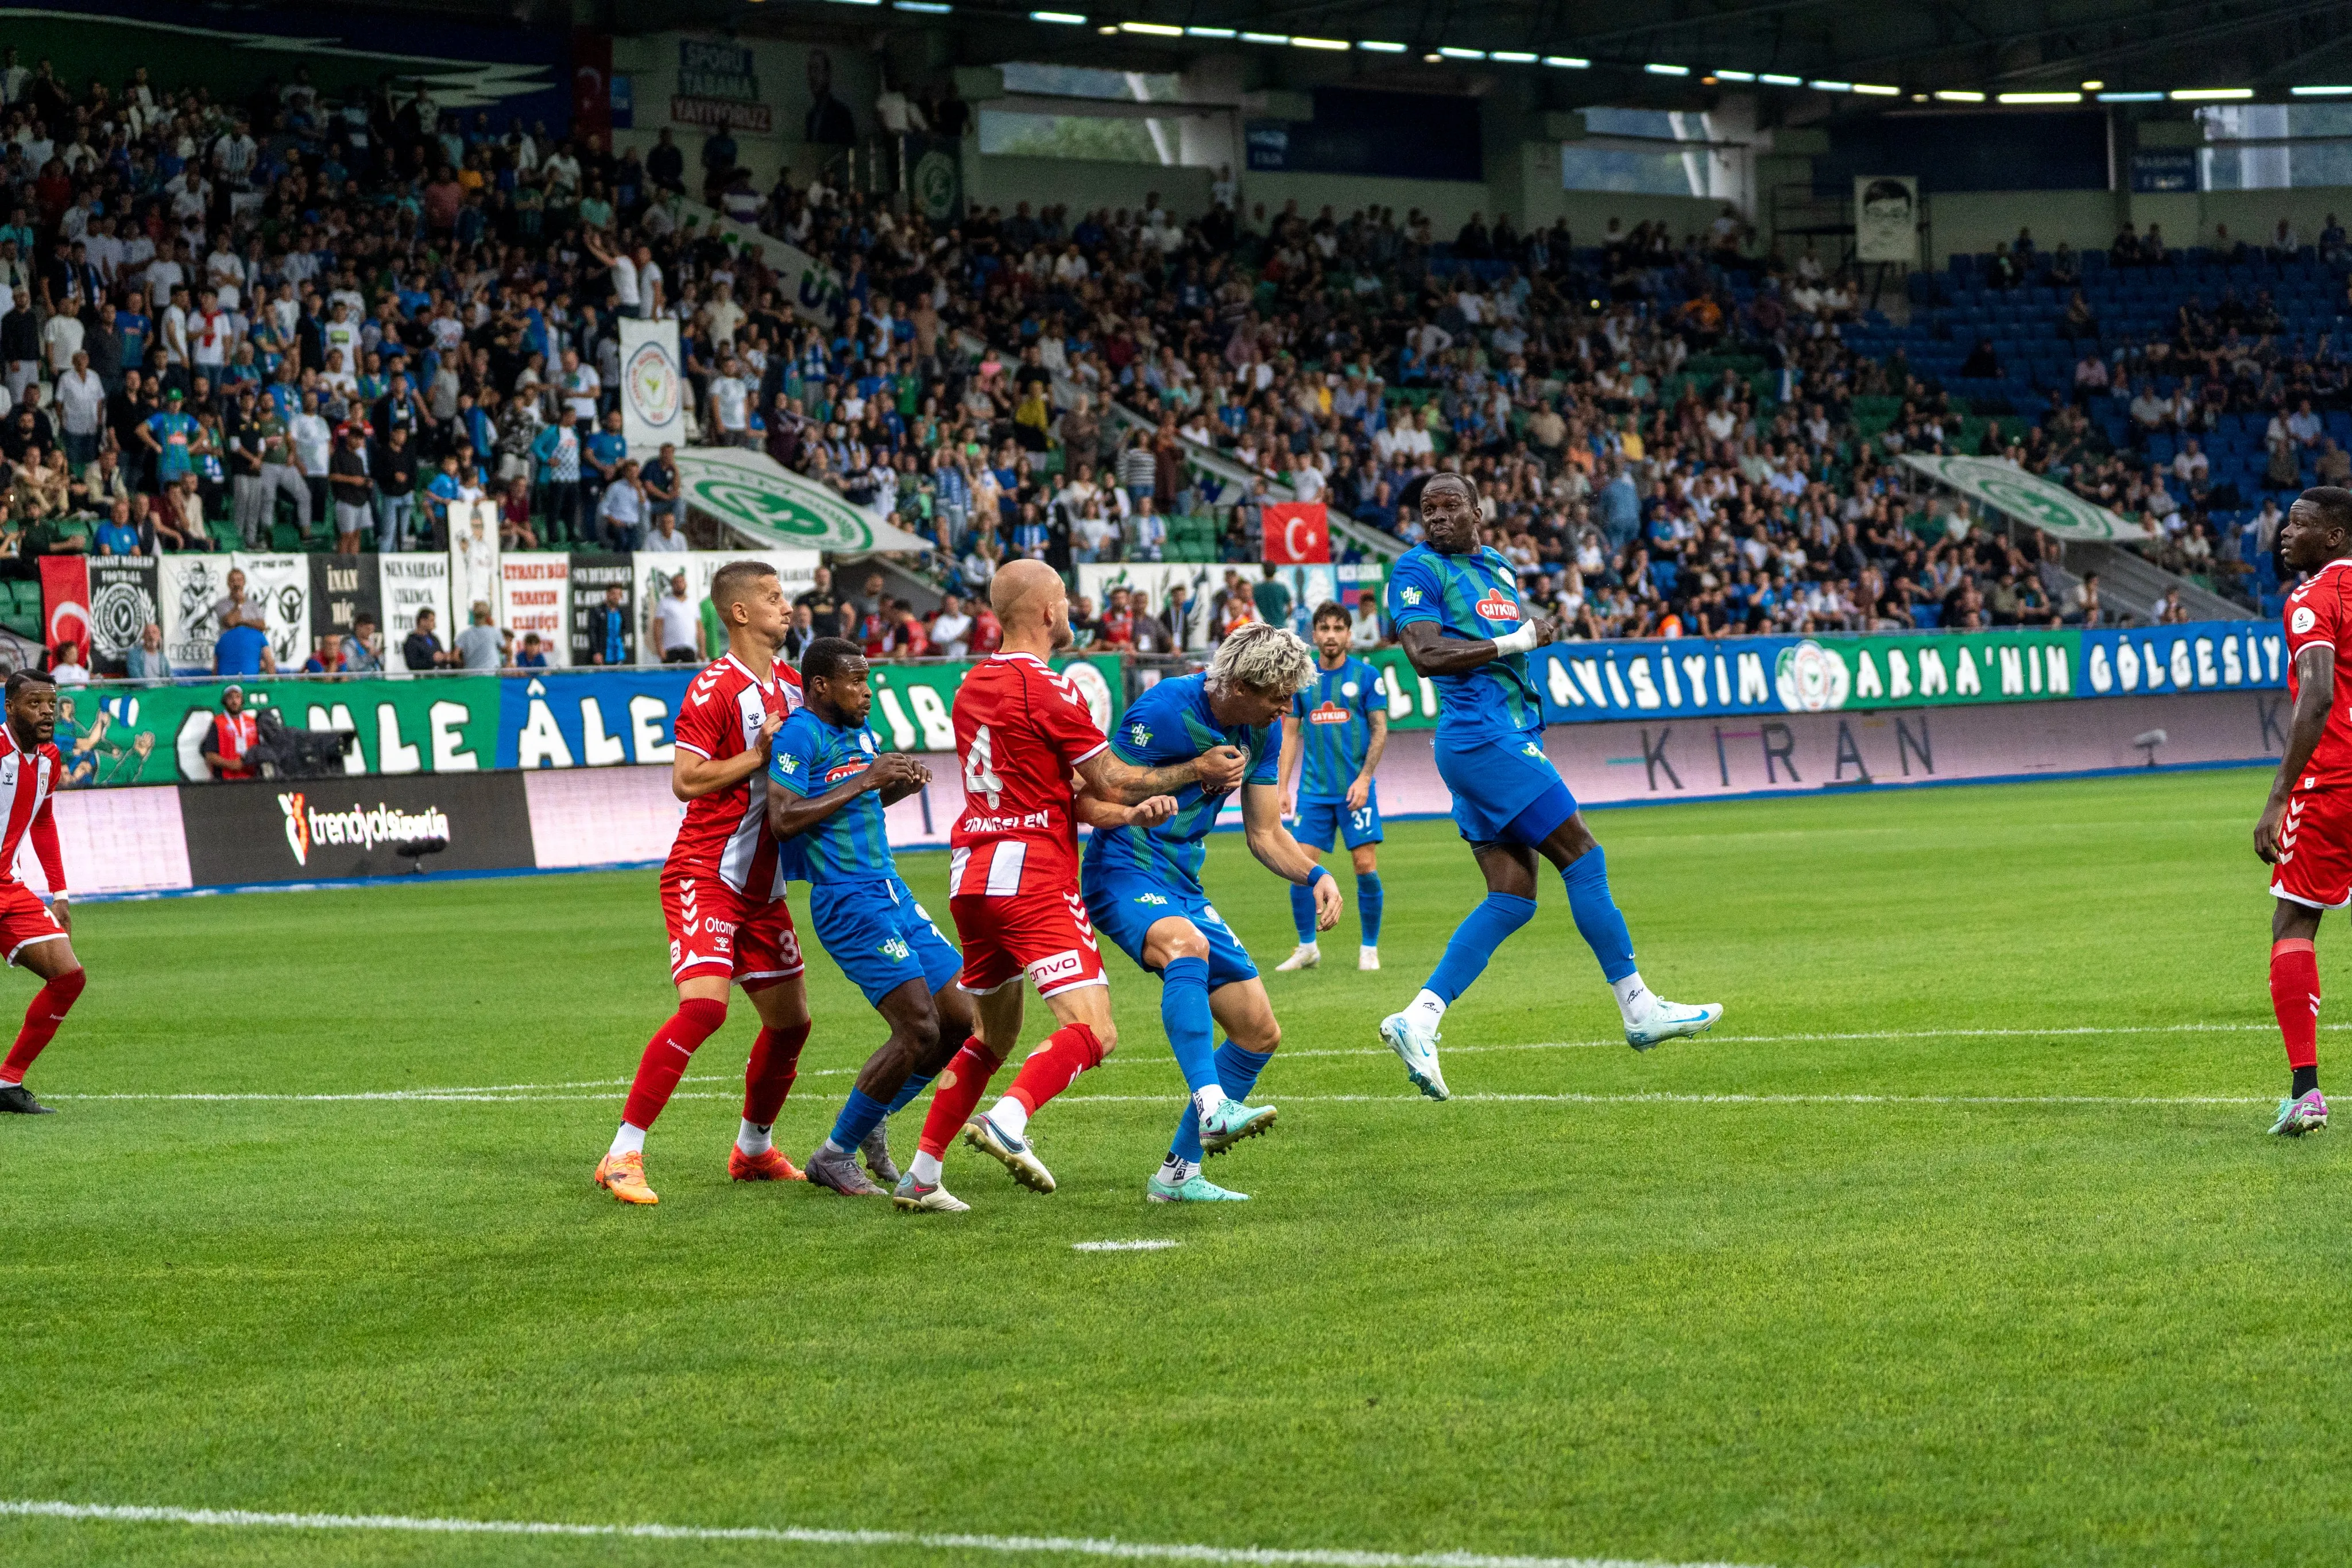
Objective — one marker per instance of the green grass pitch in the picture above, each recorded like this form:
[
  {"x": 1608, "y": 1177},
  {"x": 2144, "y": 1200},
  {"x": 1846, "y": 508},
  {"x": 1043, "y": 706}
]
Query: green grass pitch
[{"x": 1988, "y": 1262}]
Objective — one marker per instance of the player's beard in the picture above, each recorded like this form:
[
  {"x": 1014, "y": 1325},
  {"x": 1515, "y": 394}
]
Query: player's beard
[{"x": 1062, "y": 635}]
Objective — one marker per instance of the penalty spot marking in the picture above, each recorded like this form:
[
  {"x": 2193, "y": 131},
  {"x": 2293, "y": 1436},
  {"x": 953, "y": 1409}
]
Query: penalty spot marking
[
  {"x": 801, "y": 1535},
  {"x": 1153, "y": 1244}
]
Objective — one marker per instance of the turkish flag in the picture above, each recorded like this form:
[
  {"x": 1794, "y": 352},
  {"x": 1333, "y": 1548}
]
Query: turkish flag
[
  {"x": 1297, "y": 533},
  {"x": 65, "y": 601},
  {"x": 592, "y": 83}
]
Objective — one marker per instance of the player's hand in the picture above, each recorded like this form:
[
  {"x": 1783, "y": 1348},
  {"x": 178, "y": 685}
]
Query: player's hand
[
  {"x": 1357, "y": 793},
  {"x": 1327, "y": 903},
  {"x": 2266, "y": 831},
  {"x": 895, "y": 767},
  {"x": 63, "y": 910},
  {"x": 1219, "y": 770},
  {"x": 768, "y": 727},
  {"x": 1548, "y": 629},
  {"x": 1152, "y": 813}
]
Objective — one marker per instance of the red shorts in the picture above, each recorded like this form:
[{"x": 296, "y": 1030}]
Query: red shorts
[
  {"x": 715, "y": 930},
  {"x": 25, "y": 920},
  {"x": 2315, "y": 863},
  {"x": 1045, "y": 935}
]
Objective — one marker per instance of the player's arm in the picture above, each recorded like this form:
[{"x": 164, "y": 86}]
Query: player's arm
[
  {"x": 1434, "y": 654},
  {"x": 1362, "y": 789},
  {"x": 1113, "y": 778},
  {"x": 1277, "y": 851},
  {"x": 2315, "y": 698},
  {"x": 1291, "y": 750},
  {"x": 791, "y": 813},
  {"x": 43, "y": 832},
  {"x": 692, "y": 775},
  {"x": 1097, "y": 812}
]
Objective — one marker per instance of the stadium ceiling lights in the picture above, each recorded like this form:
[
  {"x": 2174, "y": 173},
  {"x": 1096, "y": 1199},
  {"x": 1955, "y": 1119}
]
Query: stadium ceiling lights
[
  {"x": 2093, "y": 86},
  {"x": 1772, "y": 79},
  {"x": 1381, "y": 48},
  {"x": 927, "y": 7},
  {"x": 2321, "y": 92},
  {"x": 1340, "y": 44},
  {"x": 1265, "y": 37},
  {"x": 1832, "y": 87},
  {"x": 1157, "y": 29},
  {"x": 1568, "y": 62},
  {"x": 1658, "y": 70},
  {"x": 1875, "y": 90},
  {"x": 1059, "y": 18},
  {"x": 2131, "y": 98},
  {"x": 1446, "y": 52},
  {"x": 1736, "y": 76},
  {"x": 1954, "y": 95},
  {"x": 1512, "y": 57},
  {"x": 1210, "y": 33},
  {"x": 2041, "y": 97},
  {"x": 2208, "y": 94}
]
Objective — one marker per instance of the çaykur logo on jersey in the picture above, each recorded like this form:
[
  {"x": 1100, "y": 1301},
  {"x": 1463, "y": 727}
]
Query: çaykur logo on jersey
[
  {"x": 1496, "y": 606},
  {"x": 361, "y": 827},
  {"x": 1329, "y": 712}
]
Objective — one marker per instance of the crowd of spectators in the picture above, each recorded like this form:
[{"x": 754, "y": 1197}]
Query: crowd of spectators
[{"x": 233, "y": 316}]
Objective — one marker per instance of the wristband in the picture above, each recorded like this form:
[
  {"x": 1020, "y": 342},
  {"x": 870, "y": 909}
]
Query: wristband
[
  {"x": 1321, "y": 870},
  {"x": 1522, "y": 641}
]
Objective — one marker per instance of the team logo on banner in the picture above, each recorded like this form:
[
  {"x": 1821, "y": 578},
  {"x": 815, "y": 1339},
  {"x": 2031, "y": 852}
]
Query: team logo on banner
[
  {"x": 1811, "y": 678},
  {"x": 650, "y": 381},
  {"x": 297, "y": 824},
  {"x": 119, "y": 615}
]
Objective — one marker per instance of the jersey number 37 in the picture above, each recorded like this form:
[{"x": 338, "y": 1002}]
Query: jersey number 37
[{"x": 979, "y": 769}]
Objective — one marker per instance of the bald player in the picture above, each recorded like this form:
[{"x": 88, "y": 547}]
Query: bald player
[{"x": 1023, "y": 735}]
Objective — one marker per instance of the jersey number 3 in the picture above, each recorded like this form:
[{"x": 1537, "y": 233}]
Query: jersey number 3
[{"x": 979, "y": 769}]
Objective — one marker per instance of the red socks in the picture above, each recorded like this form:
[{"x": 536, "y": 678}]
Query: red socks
[
  {"x": 50, "y": 1004},
  {"x": 1055, "y": 1065},
  {"x": 2294, "y": 994},
  {"x": 666, "y": 1054},
  {"x": 775, "y": 1062},
  {"x": 957, "y": 1095}
]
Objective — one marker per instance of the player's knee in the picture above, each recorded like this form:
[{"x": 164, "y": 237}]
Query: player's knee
[
  {"x": 922, "y": 1032},
  {"x": 1105, "y": 1035}
]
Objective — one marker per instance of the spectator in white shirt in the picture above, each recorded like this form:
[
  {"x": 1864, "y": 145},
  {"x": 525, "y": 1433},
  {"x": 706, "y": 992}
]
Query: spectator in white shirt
[
  {"x": 81, "y": 399},
  {"x": 677, "y": 627},
  {"x": 61, "y": 337},
  {"x": 665, "y": 538},
  {"x": 314, "y": 448},
  {"x": 730, "y": 404}
]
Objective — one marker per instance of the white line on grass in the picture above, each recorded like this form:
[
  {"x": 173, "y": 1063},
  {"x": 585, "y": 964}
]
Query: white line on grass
[
  {"x": 801, "y": 1535},
  {"x": 1157, "y": 1244},
  {"x": 1658, "y": 1098}
]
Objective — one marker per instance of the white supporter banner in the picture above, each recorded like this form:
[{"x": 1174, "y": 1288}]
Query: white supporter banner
[
  {"x": 190, "y": 586},
  {"x": 653, "y": 387},
  {"x": 535, "y": 595},
  {"x": 811, "y": 288},
  {"x": 280, "y": 584},
  {"x": 1887, "y": 218},
  {"x": 796, "y": 568},
  {"x": 474, "y": 577},
  {"x": 412, "y": 583}
]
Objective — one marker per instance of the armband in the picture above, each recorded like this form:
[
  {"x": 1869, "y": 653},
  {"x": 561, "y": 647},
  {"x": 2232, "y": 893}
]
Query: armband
[
  {"x": 1321, "y": 870},
  {"x": 1522, "y": 641}
]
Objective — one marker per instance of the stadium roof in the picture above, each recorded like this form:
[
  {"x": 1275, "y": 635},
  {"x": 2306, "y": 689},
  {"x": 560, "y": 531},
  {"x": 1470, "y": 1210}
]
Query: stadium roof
[{"x": 1821, "y": 55}]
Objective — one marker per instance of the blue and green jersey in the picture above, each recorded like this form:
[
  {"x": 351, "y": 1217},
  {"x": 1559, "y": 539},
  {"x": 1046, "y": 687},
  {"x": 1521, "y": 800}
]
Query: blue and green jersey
[
  {"x": 1335, "y": 727},
  {"x": 1473, "y": 596},
  {"x": 1171, "y": 722},
  {"x": 810, "y": 758}
]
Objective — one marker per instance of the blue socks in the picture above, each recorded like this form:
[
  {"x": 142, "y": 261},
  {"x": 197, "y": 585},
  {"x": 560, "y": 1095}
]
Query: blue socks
[
  {"x": 1302, "y": 911},
  {"x": 861, "y": 1112},
  {"x": 1237, "y": 1072},
  {"x": 1484, "y": 929},
  {"x": 1367, "y": 904},
  {"x": 1184, "y": 1014},
  {"x": 1597, "y": 917}
]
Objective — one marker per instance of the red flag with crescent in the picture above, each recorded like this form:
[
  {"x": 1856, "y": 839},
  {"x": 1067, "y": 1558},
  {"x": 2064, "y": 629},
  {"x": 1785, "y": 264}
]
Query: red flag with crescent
[
  {"x": 1297, "y": 533},
  {"x": 65, "y": 603}
]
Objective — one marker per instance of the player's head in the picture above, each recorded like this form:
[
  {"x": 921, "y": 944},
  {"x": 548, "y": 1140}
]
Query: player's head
[
  {"x": 749, "y": 599},
  {"x": 833, "y": 681},
  {"x": 1448, "y": 505},
  {"x": 1026, "y": 595},
  {"x": 1257, "y": 670},
  {"x": 2318, "y": 528},
  {"x": 1331, "y": 625},
  {"x": 32, "y": 707}
]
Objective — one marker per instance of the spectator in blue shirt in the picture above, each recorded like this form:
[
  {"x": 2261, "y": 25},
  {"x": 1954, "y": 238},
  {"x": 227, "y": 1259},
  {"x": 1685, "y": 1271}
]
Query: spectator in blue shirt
[
  {"x": 118, "y": 535},
  {"x": 243, "y": 650},
  {"x": 533, "y": 655}
]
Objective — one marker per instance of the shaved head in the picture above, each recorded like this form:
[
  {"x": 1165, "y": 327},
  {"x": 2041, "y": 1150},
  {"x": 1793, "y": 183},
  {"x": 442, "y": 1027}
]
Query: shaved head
[{"x": 1023, "y": 585}]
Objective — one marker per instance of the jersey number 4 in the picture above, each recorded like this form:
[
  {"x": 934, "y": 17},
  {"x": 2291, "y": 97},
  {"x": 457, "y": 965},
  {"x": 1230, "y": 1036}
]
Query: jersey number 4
[{"x": 979, "y": 769}]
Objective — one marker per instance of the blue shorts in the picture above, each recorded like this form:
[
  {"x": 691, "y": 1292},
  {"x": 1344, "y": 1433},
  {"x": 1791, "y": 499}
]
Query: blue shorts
[
  {"x": 1494, "y": 780},
  {"x": 1124, "y": 906},
  {"x": 878, "y": 935},
  {"x": 1318, "y": 820}
]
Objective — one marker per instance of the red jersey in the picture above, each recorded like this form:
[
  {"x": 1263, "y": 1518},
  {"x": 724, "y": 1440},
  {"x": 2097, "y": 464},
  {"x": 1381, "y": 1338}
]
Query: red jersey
[
  {"x": 27, "y": 781},
  {"x": 1021, "y": 730},
  {"x": 2317, "y": 613},
  {"x": 725, "y": 834}
]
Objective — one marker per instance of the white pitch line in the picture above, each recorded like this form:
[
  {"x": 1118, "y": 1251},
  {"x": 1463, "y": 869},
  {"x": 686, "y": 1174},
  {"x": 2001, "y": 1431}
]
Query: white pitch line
[
  {"x": 1663, "y": 1098},
  {"x": 803, "y": 1535},
  {"x": 1157, "y": 1244}
]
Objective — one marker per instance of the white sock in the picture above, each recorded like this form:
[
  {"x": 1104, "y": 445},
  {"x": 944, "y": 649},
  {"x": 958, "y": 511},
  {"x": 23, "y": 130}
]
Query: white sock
[
  {"x": 1310, "y": 946},
  {"x": 836, "y": 1148},
  {"x": 1206, "y": 1100},
  {"x": 1634, "y": 997},
  {"x": 926, "y": 1170},
  {"x": 1428, "y": 1005},
  {"x": 1176, "y": 1171},
  {"x": 753, "y": 1139},
  {"x": 628, "y": 1140},
  {"x": 1012, "y": 1115}
]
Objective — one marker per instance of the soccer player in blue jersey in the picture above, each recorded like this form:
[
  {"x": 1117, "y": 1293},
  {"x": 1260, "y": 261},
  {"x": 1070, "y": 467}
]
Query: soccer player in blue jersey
[
  {"x": 1337, "y": 728},
  {"x": 831, "y": 781},
  {"x": 1455, "y": 603},
  {"x": 1143, "y": 888}
]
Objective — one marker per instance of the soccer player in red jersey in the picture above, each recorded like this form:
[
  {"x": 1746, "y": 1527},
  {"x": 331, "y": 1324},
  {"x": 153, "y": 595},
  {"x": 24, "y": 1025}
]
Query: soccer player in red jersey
[
  {"x": 722, "y": 890},
  {"x": 35, "y": 936},
  {"x": 1021, "y": 732},
  {"x": 2305, "y": 831}
]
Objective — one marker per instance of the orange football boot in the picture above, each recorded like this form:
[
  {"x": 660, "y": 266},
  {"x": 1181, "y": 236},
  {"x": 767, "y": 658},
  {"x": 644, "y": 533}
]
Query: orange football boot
[
  {"x": 769, "y": 1166},
  {"x": 624, "y": 1176}
]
